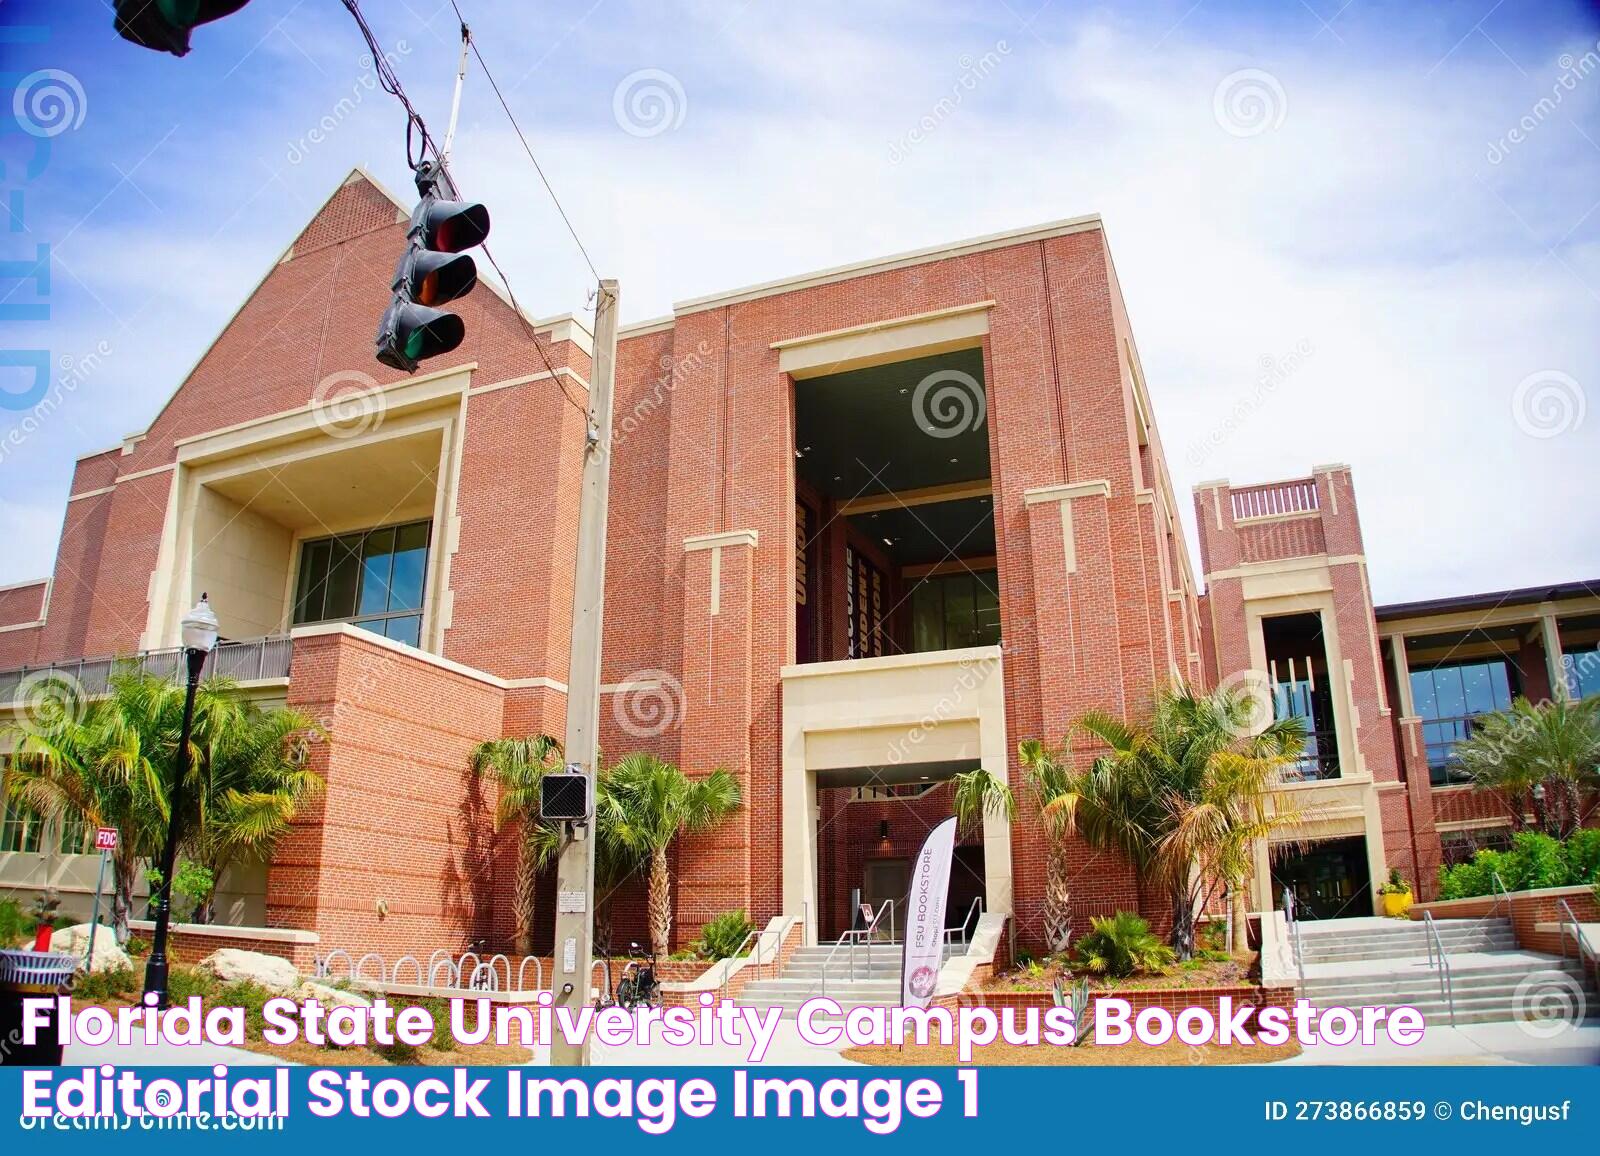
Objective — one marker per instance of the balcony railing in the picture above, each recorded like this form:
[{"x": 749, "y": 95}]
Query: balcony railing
[
  {"x": 1275, "y": 499},
  {"x": 1319, "y": 760},
  {"x": 256, "y": 658}
]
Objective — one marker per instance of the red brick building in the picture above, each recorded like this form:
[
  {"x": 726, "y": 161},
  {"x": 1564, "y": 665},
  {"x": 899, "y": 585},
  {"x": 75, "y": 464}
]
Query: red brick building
[{"x": 869, "y": 527}]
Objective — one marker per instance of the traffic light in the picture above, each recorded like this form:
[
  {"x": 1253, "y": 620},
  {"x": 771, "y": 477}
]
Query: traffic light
[
  {"x": 164, "y": 25},
  {"x": 432, "y": 271}
]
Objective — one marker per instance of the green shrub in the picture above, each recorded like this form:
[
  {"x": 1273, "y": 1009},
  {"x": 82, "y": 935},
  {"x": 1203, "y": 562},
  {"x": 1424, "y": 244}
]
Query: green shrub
[
  {"x": 136, "y": 946},
  {"x": 1122, "y": 945},
  {"x": 104, "y": 985},
  {"x": 724, "y": 935},
  {"x": 1537, "y": 860},
  {"x": 1583, "y": 856},
  {"x": 183, "y": 982},
  {"x": 1474, "y": 877},
  {"x": 14, "y": 924}
]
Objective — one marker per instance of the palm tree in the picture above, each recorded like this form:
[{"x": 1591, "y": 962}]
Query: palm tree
[
  {"x": 256, "y": 781},
  {"x": 518, "y": 765},
  {"x": 981, "y": 793},
  {"x": 656, "y": 802},
  {"x": 110, "y": 761},
  {"x": 1538, "y": 759},
  {"x": 1184, "y": 794}
]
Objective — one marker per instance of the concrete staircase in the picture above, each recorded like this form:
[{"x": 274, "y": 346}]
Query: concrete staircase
[
  {"x": 1384, "y": 963},
  {"x": 874, "y": 983}
]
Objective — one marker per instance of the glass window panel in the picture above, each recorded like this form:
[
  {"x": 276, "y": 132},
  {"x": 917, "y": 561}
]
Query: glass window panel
[
  {"x": 410, "y": 560},
  {"x": 958, "y": 612},
  {"x": 1422, "y": 694},
  {"x": 344, "y": 576},
  {"x": 1500, "y": 684},
  {"x": 407, "y": 629},
  {"x": 313, "y": 581},
  {"x": 377, "y": 556},
  {"x": 927, "y": 617},
  {"x": 987, "y": 601},
  {"x": 1475, "y": 688},
  {"x": 1451, "y": 698}
]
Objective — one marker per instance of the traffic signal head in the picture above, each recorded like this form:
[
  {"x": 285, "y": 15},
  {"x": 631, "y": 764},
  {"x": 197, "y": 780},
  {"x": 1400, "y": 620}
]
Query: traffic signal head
[
  {"x": 164, "y": 25},
  {"x": 411, "y": 333},
  {"x": 450, "y": 226},
  {"x": 432, "y": 271}
]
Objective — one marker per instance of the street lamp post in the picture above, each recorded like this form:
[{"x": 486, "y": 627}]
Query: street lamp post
[{"x": 199, "y": 638}]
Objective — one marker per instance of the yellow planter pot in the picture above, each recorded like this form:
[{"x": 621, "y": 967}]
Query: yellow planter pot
[{"x": 1396, "y": 904}]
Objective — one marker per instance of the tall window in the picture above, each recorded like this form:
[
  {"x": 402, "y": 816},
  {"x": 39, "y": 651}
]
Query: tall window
[
  {"x": 20, "y": 828},
  {"x": 951, "y": 611},
  {"x": 372, "y": 578},
  {"x": 1448, "y": 699},
  {"x": 1582, "y": 668}
]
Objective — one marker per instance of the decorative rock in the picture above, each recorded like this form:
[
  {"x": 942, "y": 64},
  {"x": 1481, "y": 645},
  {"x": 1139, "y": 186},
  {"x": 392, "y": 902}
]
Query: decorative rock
[
  {"x": 75, "y": 941},
  {"x": 330, "y": 997},
  {"x": 232, "y": 965}
]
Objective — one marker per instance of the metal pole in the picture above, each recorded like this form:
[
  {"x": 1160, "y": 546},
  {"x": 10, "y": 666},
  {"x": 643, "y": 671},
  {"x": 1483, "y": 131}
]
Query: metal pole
[
  {"x": 574, "y": 940},
  {"x": 155, "y": 972},
  {"x": 94, "y": 919}
]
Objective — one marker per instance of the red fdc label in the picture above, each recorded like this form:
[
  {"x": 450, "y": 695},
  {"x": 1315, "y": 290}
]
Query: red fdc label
[{"x": 105, "y": 839}]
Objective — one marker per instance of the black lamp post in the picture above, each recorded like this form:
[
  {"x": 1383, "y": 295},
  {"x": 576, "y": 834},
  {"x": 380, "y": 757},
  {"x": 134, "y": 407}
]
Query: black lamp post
[{"x": 199, "y": 639}]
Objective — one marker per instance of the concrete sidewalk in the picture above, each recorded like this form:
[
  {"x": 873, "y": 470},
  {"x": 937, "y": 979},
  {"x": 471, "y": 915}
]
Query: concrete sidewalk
[{"x": 1493, "y": 1043}]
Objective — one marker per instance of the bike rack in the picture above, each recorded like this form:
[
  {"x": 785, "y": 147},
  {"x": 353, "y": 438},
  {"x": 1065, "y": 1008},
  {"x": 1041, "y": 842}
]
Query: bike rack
[
  {"x": 327, "y": 963},
  {"x": 394, "y": 976},
  {"x": 538, "y": 967},
  {"x": 451, "y": 974},
  {"x": 487, "y": 973},
  {"x": 507, "y": 964},
  {"x": 606, "y": 992},
  {"x": 356, "y": 972}
]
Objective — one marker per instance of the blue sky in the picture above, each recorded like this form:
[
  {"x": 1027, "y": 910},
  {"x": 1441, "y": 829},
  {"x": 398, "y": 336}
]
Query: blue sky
[{"x": 1367, "y": 234}]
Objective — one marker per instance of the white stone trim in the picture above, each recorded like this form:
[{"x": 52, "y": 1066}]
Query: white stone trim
[
  {"x": 982, "y": 244},
  {"x": 717, "y": 541},
  {"x": 228, "y": 931},
  {"x": 1095, "y": 487},
  {"x": 324, "y": 629},
  {"x": 92, "y": 493}
]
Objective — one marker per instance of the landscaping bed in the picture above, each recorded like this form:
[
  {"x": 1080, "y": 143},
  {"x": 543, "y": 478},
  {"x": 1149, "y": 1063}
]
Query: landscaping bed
[{"x": 1213, "y": 970}]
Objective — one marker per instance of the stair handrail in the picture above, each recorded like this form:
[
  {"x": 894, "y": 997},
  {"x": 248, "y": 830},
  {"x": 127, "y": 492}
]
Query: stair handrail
[
  {"x": 759, "y": 935},
  {"x": 1497, "y": 891},
  {"x": 1293, "y": 925},
  {"x": 1447, "y": 986},
  {"x": 1585, "y": 952},
  {"x": 976, "y": 908},
  {"x": 852, "y": 937}
]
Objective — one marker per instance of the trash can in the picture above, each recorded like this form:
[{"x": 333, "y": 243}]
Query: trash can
[{"x": 30, "y": 975}]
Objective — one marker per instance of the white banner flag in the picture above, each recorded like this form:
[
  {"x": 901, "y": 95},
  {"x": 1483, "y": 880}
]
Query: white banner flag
[{"x": 930, "y": 885}]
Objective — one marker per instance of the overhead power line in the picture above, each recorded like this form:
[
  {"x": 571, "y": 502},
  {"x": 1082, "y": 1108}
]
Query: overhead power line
[
  {"x": 419, "y": 143},
  {"x": 526, "y": 147}
]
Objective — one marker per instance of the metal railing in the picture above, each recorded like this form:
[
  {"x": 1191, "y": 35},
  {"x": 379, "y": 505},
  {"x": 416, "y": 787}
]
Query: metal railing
[
  {"x": 1585, "y": 952},
  {"x": 246, "y": 660},
  {"x": 973, "y": 912},
  {"x": 1497, "y": 890},
  {"x": 1275, "y": 499},
  {"x": 759, "y": 935},
  {"x": 854, "y": 936},
  {"x": 1294, "y": 935},
  {"x": 1438, "y": 960}
]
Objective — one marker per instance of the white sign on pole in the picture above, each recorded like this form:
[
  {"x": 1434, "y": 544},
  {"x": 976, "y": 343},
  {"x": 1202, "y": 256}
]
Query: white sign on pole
[{"x": 924, "y": 947}]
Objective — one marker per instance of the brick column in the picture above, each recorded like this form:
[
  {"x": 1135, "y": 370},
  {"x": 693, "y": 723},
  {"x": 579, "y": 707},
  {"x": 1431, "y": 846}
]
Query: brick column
[
  {"x": 717, "y": 707},
  {"x": 1417, "y": 840}
]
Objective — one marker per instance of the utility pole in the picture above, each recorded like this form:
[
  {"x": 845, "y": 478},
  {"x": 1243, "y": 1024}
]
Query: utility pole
[{"x": 575, "y": 870}]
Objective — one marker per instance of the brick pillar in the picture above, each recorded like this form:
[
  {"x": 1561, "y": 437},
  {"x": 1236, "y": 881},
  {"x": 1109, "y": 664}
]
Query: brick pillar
[
  {"x": 715, "y": 868},
  {"x": 1419, "y": 841}
]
